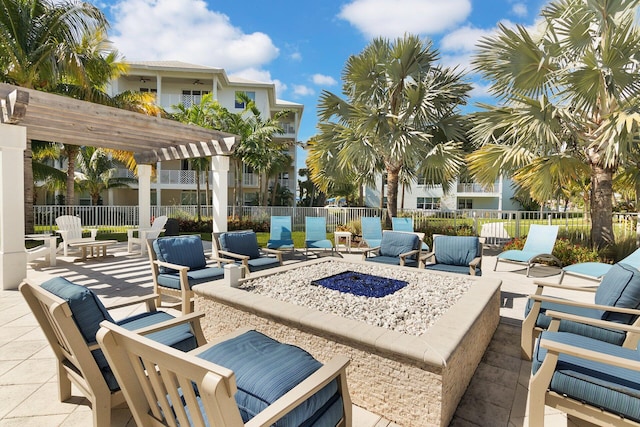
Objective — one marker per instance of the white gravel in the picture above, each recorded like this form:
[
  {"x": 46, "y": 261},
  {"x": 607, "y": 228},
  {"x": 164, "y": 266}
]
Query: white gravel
[{"x": 412, "y": 309}]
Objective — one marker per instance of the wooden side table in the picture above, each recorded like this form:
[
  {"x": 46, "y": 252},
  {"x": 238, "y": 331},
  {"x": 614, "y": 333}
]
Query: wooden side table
[{"x": 338, "y": 236}]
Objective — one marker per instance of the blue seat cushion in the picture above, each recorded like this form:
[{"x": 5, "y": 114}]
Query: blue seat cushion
[
  {"x": 543, "y": 321},
  {"x": 391, "y": 260},
  {"x": 241, "y": 242},
  {"x": 519, "y": 256},
  {"x": 592, "y": 269},
  {"x": 265, "y": 370},
  {"x": 263, "y": 263},
  {"x": 614, "y": 389},
  {"x": 620, "y": 287},
  {"x": 455, "y": 250},
  {"x": 318, "y": 244},
  {"x": 88, "y": 311},
  {"x": 278, "y": 244},
  {"x": 207, "y": 274},
  {"x": 182, "y": 250},
  {"x": 460, "y": 269},
  {"x": 395, "y": 243}
]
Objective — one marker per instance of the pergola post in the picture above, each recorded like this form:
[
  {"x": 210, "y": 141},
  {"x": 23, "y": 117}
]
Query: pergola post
[
  {"x": 219, "y": 198},
  {"x": 13, "y": 258},
  {"x": 144, "y": 196}
]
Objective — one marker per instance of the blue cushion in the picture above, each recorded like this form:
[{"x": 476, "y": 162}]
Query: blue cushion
[
  {"x": 265, "y": 370},
  {"x": 195, "y": 277},
  {"x": 620, "y": 287},
  {"x": 395, "y": 243},
  {"x": 460, "y": 269},
  {"x": 592, "y": 269},
  {"x": 519, "y": 256},
  {"x": 182, "y": 250},
  {"x": 88, "y": 311},
  {"x": 614, "y": 389},
  {"x": 455, "y": 250},
  {"x": 392, "y": 260},
  {"x": 263, "y": 263},
  {"x": 241, "y": 242},
  {"x": 318, "y": 244},
  {"x": 543, "y": 321}
]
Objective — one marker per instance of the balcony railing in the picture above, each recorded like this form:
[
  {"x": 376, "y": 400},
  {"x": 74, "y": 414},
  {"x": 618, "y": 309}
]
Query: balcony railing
[{"x": 473, "y": 187}]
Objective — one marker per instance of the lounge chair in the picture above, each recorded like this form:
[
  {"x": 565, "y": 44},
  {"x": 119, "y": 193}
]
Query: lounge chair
[
  {"x": 406, "y": 224},
  {"x": 616, "y": 299},
  {"x": 245, "y": 378},
  {"x": 70, "y": 316},
  {"x": 315, "y": 230},
  {"x": 396, "y": 248},
  {"x": 537, "y": 247},
  {"x": 371, "y": 231},
  {"x": 144, "y": 234},
  {"x": 494, "y": 233},
  {"x": 280, "y": 233},
  {"x": 243, "y": 248},
  {"x": 596, "y": 270},
  {"x": 455, "y": 254},
  {"x": 70, "y": 229},
  {"x": 178, "y": 264},
  {"x": 586, "y": 378}
]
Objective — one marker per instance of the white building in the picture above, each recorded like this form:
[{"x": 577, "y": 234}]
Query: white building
[
  {"x": 463, "y": 196},
  {"x": 174, "y": 83}
]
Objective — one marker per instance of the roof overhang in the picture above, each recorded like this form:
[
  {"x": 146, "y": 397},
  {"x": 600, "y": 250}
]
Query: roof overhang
[{"x": 56, "y": 118}]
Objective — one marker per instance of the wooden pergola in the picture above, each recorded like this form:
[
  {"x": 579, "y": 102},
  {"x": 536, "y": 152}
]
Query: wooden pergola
[{"x": 27, "y": 114}]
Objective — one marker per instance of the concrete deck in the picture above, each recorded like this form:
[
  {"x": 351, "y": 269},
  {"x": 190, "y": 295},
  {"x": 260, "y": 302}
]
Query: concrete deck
[{"x": 497, "y": 395}]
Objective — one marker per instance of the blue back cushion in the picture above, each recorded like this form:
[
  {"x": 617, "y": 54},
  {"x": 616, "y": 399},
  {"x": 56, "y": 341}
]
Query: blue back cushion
[
  {"x": 395, "y": 243},
  {"x": 181, "y": 250},
  {"x": 620, "y": 287},
  {"x": 455, "y": 250},
  {"x": 241, "y": 242},
  {"x": 87, "y": 309}
]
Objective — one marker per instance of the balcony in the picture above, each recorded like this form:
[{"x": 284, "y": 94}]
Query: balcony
[
  {"x": 289, "y": 130},
  {"x": 475, "y": 188}
]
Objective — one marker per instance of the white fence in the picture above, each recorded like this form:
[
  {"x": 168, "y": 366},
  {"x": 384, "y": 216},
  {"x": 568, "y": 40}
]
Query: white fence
[{"x": 516, "y": 223}]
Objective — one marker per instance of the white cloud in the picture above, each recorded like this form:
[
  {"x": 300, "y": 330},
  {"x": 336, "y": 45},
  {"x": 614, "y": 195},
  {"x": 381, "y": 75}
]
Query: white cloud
[
  {"x": 395, "y": 18},
  {"x": 322, "y": 80},
  {"x": 519, "y": 9},
  {"x": 262, "y": 76},
  {"x": 302, "y": 90},
  {"x": 186, "y": 30},
  {"x": 458, "y": 47},
  {"x": 296, "y": 56}
]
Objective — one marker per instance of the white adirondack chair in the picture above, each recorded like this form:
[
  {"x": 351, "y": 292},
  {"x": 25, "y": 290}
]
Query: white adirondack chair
[
  {"x": 70, "y": 228},
  {"x": 143, "y": 234}
]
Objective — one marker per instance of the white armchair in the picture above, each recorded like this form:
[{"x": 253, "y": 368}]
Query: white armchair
[
  {"x": 143, "y": 234},
  {"x": 70, "y": 228}
]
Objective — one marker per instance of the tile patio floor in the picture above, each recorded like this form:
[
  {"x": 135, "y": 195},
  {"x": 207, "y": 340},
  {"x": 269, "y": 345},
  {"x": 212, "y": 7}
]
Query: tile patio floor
[{"x": 28, "y": 391}]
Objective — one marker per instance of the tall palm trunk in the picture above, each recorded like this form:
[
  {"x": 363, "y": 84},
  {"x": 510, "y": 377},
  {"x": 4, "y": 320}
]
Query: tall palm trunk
[
  {"x": 28, "y": 190},
  {"x": 72, "y": 153},
  {"x": 392, "y": 191},
  {"x": 601, "y": 206}
]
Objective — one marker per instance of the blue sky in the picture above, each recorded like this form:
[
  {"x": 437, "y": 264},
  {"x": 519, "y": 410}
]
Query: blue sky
[{"x": 302, "y": 46}]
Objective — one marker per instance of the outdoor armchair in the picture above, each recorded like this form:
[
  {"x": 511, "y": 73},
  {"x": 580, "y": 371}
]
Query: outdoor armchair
[
  {"x": 70, "y": 316},
  {"x": 617, "y": 299},
  {"x": 143, "y": 234},
  {"x": 245, "y": 378},
  {"x": 596, "y": 270},
  {"x": 396, "y": 248},
  {"x": 315, "y": 230},
  {"x": 537, "y": 247},
  {"x": 371, "y": 231},
  {"x": 178, "y": 263},
  {"x": 70, "y": 229},
  {"x": 406, "y": 224},
  {"x": 584, "y": 377},
  {"x": 242, "y": 246},
  {"x": 280, "y": 233},
  {"x": 455, "y": 254}
]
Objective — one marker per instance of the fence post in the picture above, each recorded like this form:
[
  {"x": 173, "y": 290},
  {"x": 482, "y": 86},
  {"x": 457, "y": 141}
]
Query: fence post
[{"x": 518, "y": 216}]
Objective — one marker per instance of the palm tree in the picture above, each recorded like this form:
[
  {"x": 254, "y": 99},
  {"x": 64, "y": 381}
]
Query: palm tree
[
  {"x": 400, "y": 106},
  {"x": 568, "y": 94},
  {"x": 37, "y": 48},
  {"x": 96, "y": 169}
]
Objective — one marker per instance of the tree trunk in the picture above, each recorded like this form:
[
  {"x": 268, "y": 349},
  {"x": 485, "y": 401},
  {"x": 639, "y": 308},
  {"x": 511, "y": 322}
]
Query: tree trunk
[
  {"x": 382, "y": 192},
  {"x": 392, "y": 191},
  {"x": 72, "y": 153},
  {"x": 28, "y": 190},
  {"x": 601, "y": 206}
]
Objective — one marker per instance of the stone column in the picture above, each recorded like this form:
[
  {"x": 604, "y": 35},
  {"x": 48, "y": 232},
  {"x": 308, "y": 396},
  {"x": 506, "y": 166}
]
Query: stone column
[
  {"x": 219, "y": 198},
  {"x": 13, "y": 257}
]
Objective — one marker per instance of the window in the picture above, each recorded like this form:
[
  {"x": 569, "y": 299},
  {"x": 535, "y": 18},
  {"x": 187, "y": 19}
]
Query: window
[
  {"x": 146, "y": 89},
  {"x": 465, "y": 203},
  {"x": 189, "y": 197},
  {"x": 239, "y": 103},
  {"x": 192, "y": 97},
  {"x": 432, "y": 203}
]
